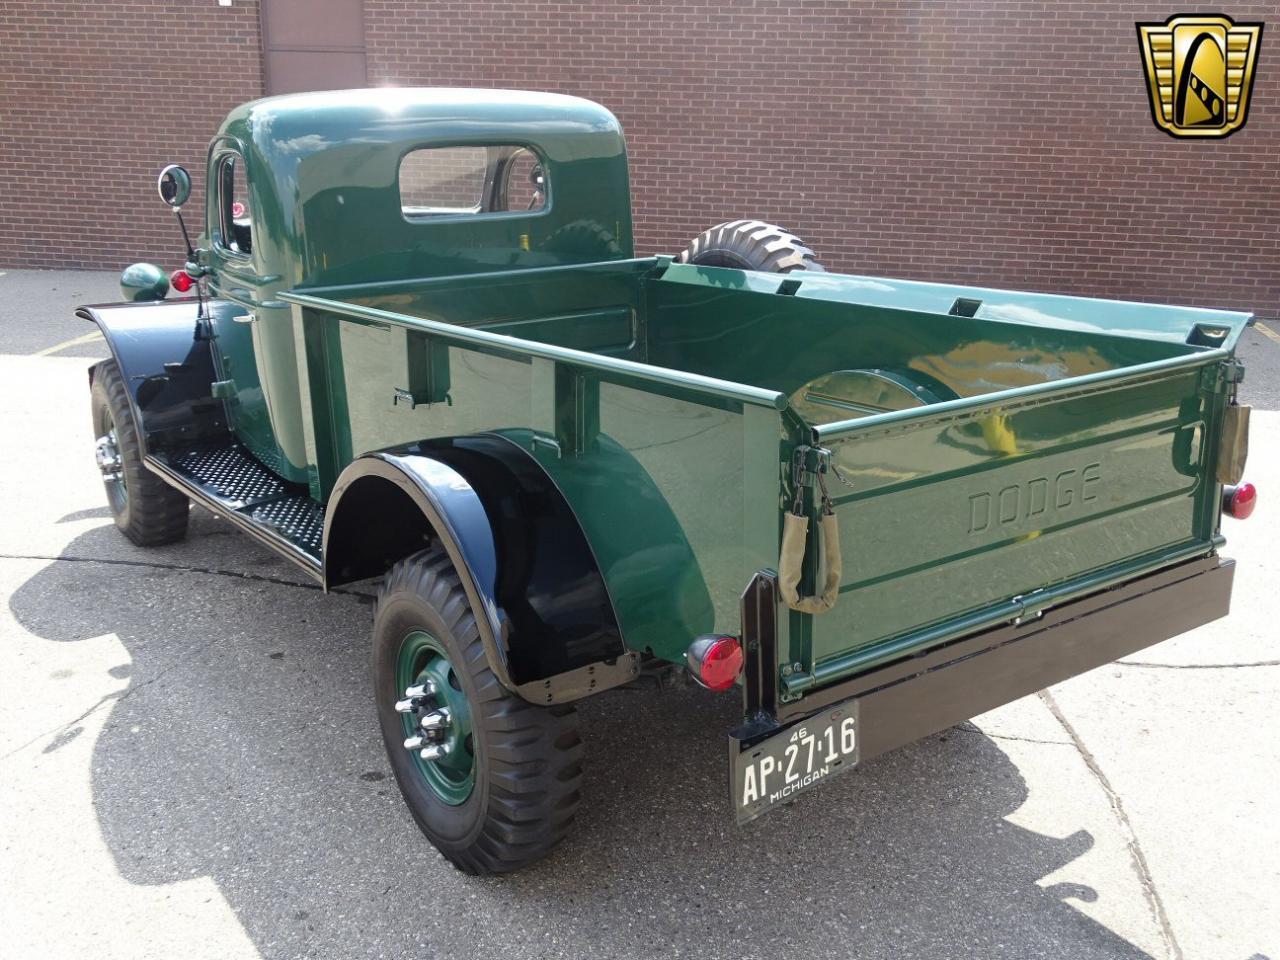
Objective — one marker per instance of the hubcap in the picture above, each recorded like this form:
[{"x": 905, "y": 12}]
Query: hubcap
[{"x": 436, "y": 718}]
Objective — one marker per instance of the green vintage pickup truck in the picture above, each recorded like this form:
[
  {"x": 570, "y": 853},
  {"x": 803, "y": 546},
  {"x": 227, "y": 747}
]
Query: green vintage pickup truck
[{"x": 416, "y": 345}]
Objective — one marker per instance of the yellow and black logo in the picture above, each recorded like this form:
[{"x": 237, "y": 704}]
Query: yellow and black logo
[{"x": 1199, "y": 73}]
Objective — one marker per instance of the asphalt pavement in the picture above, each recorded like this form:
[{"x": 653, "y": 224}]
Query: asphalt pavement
[{"x": 190, "y": 766}]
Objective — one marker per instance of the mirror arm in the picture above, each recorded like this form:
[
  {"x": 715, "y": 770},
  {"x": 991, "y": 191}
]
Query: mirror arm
[{"x": 186, "y": 237}]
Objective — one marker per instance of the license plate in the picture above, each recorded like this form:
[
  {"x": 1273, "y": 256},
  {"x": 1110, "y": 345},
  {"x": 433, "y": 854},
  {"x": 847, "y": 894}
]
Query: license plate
[{"x": 785, "y": 764}]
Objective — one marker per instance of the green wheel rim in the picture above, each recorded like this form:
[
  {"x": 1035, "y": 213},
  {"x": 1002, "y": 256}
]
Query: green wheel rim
[
  {"x": 423, "y": 660},
  {"x": 117, "y": 487}
]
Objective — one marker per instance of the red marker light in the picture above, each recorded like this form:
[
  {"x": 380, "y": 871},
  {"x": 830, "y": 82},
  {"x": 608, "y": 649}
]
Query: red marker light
[
  {"x": 181, "y": 281},
  {"x": 715, "y": 661},
  {"x": 1239, "y": 501}
]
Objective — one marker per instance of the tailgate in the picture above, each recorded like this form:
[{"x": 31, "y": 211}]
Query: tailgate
[{"x": 965, "y": 514}]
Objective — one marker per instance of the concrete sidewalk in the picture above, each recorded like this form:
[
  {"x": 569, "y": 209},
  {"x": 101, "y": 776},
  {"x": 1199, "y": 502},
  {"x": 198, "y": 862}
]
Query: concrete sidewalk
[{"x": 189, "y": 766}]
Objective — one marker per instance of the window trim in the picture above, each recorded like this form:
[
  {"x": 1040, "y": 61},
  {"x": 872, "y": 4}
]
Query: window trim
[
  {"x": 479, "y": 213},
  {"x": 222, "y": 203}
]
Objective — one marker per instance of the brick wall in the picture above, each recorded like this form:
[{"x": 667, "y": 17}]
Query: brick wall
[
  {"x": 94, "y": 99},
  {"x": 1000, "y": 143},
  {"x": 996, "y": 143}
]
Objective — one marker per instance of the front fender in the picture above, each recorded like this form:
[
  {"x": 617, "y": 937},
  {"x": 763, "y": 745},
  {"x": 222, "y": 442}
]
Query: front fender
[
  {"x": 164, "y": 355},
  {"x": 545, "y": 616}
]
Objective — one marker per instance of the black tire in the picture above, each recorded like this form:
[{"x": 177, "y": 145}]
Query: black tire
[
  {"x": 146, "y": 509},
  {"x": 527, "y": 765},
  {"x": 751, "y": 245},
  {"x": 585, "y": 239}
]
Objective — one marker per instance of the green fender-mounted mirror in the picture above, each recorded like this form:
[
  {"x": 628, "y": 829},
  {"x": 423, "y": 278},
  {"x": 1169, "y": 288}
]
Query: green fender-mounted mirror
[{"x": 174, "y": 185}]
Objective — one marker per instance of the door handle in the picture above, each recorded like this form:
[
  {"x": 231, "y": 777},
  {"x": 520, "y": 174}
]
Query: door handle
[{"x": 247, "y": 317}]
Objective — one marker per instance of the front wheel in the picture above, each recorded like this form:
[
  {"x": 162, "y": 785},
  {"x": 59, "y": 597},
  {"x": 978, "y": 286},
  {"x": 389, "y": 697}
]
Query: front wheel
[
  {"x": 492, "y": 780},
  {"x": 146, "y": 509}
]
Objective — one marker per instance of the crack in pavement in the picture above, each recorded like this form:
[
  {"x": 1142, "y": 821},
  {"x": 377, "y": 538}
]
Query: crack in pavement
[
  {"x": 1198, "y": 666},
  {"x": 117, "y": 696},
  {"x": 1136, "y": 856},
  {"x": 185, "y": 568},
  {"x": 113, "y": 695},
  {"x": 1008, "y": 736},
  {"x": 120, "y": 695}
]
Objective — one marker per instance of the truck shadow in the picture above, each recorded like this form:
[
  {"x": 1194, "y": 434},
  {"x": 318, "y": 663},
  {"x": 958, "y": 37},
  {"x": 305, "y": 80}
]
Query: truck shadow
[{"x": 244, "y": 749}]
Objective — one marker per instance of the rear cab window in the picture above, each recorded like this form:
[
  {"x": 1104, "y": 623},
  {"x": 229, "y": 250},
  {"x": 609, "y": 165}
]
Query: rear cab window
[{"x": 471, "y": 181}]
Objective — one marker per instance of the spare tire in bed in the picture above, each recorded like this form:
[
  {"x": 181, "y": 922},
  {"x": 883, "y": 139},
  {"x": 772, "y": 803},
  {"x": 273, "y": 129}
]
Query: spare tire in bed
[{"x": 750, "y": 245}]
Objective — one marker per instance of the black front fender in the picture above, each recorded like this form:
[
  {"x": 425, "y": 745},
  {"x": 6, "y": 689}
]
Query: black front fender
[
  {"x": 164, "y": 355},
  {"x": 543, "y": 609}
]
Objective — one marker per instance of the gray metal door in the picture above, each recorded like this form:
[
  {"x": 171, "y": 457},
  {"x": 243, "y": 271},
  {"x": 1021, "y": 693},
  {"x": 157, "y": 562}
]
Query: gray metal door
[{"x": 312, "y": 45}]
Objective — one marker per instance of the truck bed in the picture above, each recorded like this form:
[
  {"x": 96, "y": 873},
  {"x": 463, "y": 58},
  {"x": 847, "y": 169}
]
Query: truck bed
[{"x": 1000, "y": 452}]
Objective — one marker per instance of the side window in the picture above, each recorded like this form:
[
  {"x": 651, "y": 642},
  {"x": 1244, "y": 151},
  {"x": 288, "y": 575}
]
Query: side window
[
  {"x": 453, "y": 181},
  {"x": 235, "y": 219}
]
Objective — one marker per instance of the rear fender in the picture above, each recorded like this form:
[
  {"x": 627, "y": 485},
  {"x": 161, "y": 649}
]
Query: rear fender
[
  {"x": 164, "y": 355},
  {"x": 543, "y": 610}
]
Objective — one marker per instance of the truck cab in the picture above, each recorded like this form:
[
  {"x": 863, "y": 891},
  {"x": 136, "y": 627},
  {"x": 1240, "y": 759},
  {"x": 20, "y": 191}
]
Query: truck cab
[{"x": 368, "y": 186}]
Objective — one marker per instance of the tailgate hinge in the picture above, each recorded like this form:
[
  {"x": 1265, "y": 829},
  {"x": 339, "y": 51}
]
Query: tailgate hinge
[{"x": 1031, "y": 606}]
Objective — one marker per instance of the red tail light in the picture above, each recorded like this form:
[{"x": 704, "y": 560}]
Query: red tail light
[
  {"x": 181, "y": 281},
  {"x": 1239, "y": 501},
  {"x": 715, "y": 661}
]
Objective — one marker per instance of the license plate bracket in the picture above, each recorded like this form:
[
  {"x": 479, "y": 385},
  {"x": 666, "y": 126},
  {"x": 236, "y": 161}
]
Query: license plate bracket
[{"x": 772, "y": 766}]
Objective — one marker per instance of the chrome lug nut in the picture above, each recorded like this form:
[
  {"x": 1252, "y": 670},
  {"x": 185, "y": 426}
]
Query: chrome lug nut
[
  {"x": 408, "y": 706},
  {"x": 416, "y": 743},
  {"x": 435, "y": 720},
  {"x": 434, "y": 751},
  {"x": 420, "y": 690}
]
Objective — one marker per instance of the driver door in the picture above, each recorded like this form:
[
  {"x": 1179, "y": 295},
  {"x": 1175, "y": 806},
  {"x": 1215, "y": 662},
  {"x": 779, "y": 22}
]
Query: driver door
[{"x": 253, "y": 332}]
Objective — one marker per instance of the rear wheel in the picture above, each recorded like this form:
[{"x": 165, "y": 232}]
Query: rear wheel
[
  {"x": 750, "y": 245},
  {"x": 146, "y": 509},
  {"x": 492, "y": 780}
]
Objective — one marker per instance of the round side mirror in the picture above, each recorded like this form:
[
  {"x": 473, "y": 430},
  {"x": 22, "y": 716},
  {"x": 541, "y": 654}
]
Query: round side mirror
[
  {"x": 174, "y": 185},
  {"x": 142, "y": 282}
]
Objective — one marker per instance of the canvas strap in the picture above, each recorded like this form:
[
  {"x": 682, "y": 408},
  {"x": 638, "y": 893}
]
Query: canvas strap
[
  {"x": 1233, "y": 446},
  {"x": 795, "y": 537}
]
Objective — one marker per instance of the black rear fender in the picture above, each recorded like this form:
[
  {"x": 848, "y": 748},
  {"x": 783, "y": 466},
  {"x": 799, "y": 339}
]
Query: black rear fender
[{"x": 544, "y": 613}]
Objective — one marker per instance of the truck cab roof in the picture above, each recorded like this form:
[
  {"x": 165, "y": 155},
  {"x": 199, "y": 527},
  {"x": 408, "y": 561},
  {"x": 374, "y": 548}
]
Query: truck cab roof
[
  {"x": 303, "y": 124},
  {"x": 330, "y": 177}
]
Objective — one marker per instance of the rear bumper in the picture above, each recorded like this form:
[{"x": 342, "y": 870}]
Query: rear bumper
[{"x": 917, "y": 696}]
